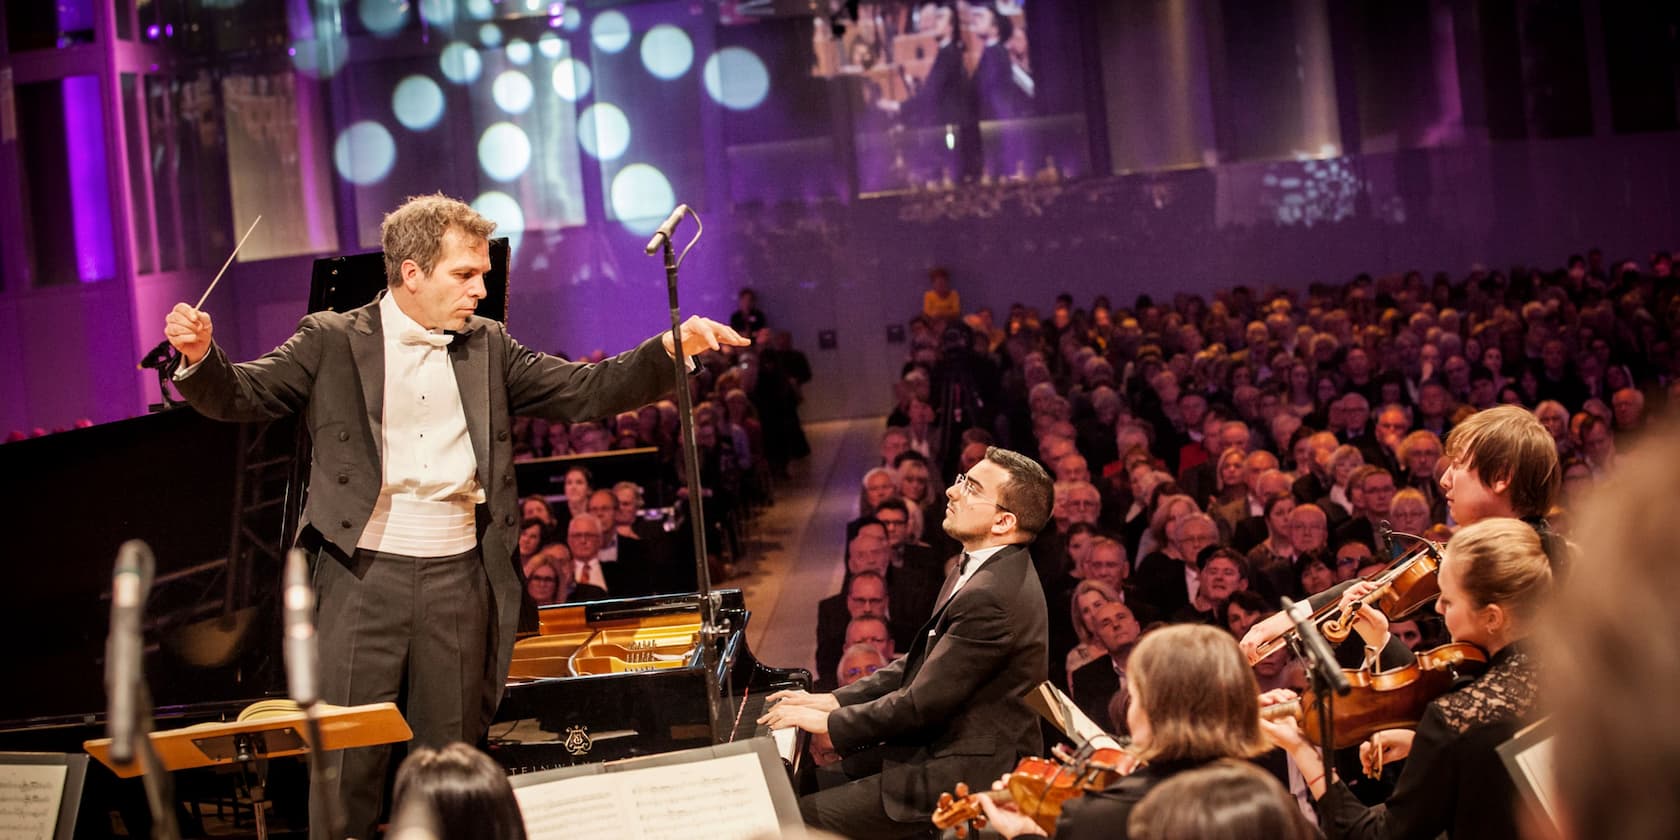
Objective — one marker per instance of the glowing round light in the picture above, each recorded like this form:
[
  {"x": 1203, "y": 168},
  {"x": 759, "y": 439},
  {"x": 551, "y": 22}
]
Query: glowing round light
[
  {"x": 479, "y": 9},
  {"x": 499, "y": 207},
  {"x": 490, "y": 35},
  {"x": 550, "y": 45},
  {"x": 417, "y": 102},
  {"x": 519, "y": 52},
  {"x": 610, "y": 31},
  {"x": 383, "y": 17},
  {"x": 573, "y": 19},
  {"x": 438, "y": 12},
  {"x": 504, "y": 151},
  {"x": 641, "y": 197},
  {"x": 736, "y": 79},
  {"x": 512, "y": 91},
  {"x": 603, "y": 131},
  {"x": 571, "y": 79},
  {"x": 320, "y": 57},
  {"x": 364, "y": 153},
  {"x": 460, "y": 63},
  {"x": 667, "y": 52}
]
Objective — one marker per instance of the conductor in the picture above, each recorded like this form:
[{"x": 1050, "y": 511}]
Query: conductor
[{"x": 412, "y": 511}]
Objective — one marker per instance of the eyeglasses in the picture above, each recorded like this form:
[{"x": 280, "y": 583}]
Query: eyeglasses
[{"x": 967, "y": 488}]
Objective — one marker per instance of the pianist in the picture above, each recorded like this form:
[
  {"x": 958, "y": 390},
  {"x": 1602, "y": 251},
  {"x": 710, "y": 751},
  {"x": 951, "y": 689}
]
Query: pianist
[
  {"x": 950, "y": 710},
  {"x": 412, "y": 508}
]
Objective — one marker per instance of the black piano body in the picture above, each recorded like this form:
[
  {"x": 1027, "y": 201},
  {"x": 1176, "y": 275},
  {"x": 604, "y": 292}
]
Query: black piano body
[{"x": 616, "y": 679}]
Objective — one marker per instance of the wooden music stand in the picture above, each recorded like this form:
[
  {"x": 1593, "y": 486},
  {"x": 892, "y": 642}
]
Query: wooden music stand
[
  {"x": 251, "y": 743},
  {"x": 342, "y": 728}
]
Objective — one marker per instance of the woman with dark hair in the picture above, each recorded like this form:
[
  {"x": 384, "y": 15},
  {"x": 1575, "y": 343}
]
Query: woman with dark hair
[
  {"x": 459, "y": 792},
  {"x": 1193, "y": 700},
  {"x": 1495, "y": 578},
  {"x": 1226, "y": 800}
]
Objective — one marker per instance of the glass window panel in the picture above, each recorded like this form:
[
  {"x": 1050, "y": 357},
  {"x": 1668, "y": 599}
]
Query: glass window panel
[
  {"x": 42, "y": 25},
  {"x": 277, "y": 167},
  {"x": 125, "y": 19},
  {"x": 145, "y": 261},
  {"x": 166, "y": 168},
  {"x": 67, "y": 189}
]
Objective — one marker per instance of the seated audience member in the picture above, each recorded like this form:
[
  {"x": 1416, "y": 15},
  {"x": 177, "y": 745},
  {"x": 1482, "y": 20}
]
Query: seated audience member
[
  {"x": 1088, "y": 596},
  {"x": 1272, "y": 561},
  {"x": 1193, "y": 701},
  {"x": 1242, "y": 610},
  {"x": 1167, "y": 584},
  {"x": 1226, "y": 800},
  {"x": 866, "y": 594},
  {"x": 1373, "y": 487},
  {"x": 536, "y": 507},
  {"x": 1409, "y": 514},
  {"x": 1608, "y": 647},
  {"x": 1219, "y": 572},
  {"x": 1350, "y": 556},
  {"x": 532, "y": 534},
  {"x": 1409, "y": 632},
  {"x": 859, "y": 661},
  {"x": 871, "y": 630},
  {"x": 1095, "y": 683},
  {"x": 457, "y": 793},
  {"x": 548, "y": 576},
  {"x": 1314, "y": 574}
]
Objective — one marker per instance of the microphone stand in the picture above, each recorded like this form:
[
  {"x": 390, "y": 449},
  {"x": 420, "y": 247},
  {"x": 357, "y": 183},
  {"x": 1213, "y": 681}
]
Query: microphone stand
[
  {"x": 1324, "y": 679},
  {"x": 712, "y": 629},
  {"x": 158, "y": 781}
]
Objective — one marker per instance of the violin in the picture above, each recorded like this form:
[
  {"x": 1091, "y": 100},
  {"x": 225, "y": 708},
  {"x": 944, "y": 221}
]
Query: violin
[
  {"x": 1038, "y": 787},
  {"x": 1401, "y": 589},
  {"x": 1393, "y": 699},
  {"x": 1407, "y": 584}
]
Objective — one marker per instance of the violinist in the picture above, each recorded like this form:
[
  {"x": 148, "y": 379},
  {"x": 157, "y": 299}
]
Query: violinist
[
  {"x": 1494, "y": 578},
  {"x": 1500, "y": 463},
  {"x": 1193, "y": 701}
]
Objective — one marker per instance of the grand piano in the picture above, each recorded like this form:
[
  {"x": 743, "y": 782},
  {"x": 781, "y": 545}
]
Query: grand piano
[{"x": 219, "y": 503}]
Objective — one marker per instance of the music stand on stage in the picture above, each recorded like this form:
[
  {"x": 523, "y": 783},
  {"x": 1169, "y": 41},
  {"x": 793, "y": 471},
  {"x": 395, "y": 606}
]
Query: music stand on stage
[{"x": 250, "y": 743}]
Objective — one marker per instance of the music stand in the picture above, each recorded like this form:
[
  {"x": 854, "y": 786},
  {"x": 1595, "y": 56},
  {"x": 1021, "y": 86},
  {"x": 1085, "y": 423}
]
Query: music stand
[{"x": 250, "y": 743}]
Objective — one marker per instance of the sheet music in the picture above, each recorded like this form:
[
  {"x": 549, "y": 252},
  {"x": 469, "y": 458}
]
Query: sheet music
[
  {"x": 726, "y": 795},
  {"x": 29, "y": 800}
]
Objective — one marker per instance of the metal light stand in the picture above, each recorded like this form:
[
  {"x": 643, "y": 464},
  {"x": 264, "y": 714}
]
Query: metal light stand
[{"x": 712, "y": 629}]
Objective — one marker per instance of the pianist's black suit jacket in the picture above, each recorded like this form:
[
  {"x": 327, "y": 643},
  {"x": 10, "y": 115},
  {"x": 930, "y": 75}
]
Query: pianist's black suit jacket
[
  {"x": 951, "y": 709},
  {"x": 332, "y": 372}
]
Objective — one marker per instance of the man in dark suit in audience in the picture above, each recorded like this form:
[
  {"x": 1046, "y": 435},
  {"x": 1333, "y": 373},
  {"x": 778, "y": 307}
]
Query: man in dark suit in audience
[
  {"x": 865, "y": 594},
  {"x": 1096, "y": 682},
  {"x": 950, "y": 711}
]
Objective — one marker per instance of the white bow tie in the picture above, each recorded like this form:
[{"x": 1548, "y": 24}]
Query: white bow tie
[{"x": 418, "y": 337}]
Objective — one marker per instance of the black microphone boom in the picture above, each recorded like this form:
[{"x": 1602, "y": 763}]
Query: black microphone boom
[
  {"x": 302, "y": 651},
  {"x": 131, "y": 582},
  {"x": 668, "y": 227}
]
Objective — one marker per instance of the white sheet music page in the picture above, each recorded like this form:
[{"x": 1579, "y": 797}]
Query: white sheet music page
[
  {"x": 29, "y": 799},
  {"x": 727, "y": 796}
]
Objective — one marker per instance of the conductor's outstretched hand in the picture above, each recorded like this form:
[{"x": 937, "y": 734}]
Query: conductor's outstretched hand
[
  {"x": 702, "y": 334},
  {"x": 188, "y": 331}
]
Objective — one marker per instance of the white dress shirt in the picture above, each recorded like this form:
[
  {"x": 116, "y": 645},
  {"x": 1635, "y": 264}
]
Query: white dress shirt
[{"x": 430, "y": 486}]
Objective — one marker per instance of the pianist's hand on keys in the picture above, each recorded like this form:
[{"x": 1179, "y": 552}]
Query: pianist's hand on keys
[{"x": 800, "y": 709}]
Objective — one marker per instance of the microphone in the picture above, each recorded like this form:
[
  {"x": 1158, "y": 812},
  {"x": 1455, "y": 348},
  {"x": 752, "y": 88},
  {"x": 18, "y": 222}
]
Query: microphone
[
  {"x": 1317, "y": 647},
  {"x": 131, "y": 581},
  {"x": 302, "y": 651},
  {"x": 1385, "y": 540},
  {"x": 668, "y": 227}
]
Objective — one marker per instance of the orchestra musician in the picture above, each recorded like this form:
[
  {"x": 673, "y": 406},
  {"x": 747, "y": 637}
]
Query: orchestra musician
[
  {"x": 951, "y": 710},
  {"x": 1500, "y": 463},
  {"x": 1194, "y": 701},
  {"x": 1494, "y": 578},
  {"x": 412, "y": 510}
]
